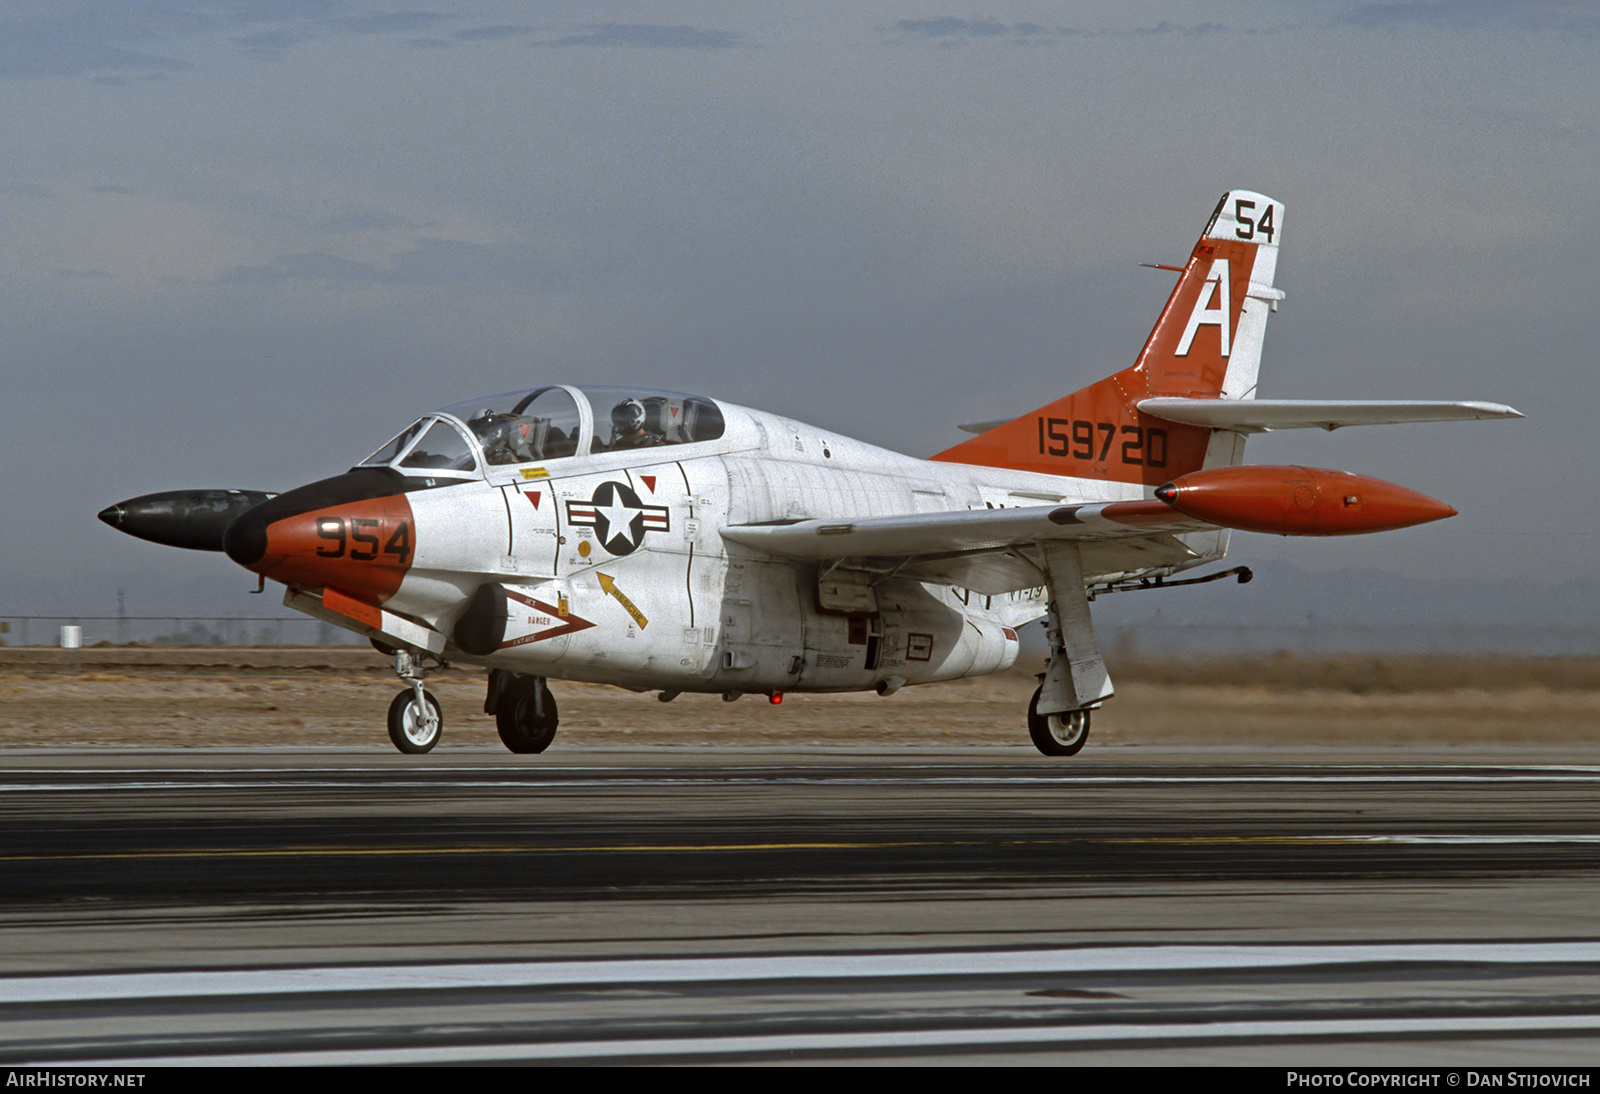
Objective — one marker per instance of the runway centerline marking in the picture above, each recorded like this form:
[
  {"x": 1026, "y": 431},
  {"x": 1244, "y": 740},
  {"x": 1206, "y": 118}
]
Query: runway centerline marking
[
  {"x": 869, "y": 1040},
  {"x": 1410, "y": 839},
  {"x": 74, "y": 781},
  {"x": 848, "y": 966}
]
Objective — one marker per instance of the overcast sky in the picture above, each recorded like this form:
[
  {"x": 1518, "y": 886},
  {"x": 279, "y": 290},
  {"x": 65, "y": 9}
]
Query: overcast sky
[{"x": 244, "y": 242}]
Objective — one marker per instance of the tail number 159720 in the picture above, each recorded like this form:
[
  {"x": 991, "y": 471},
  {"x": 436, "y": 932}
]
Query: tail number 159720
[{"x": 1085, "y": 440}]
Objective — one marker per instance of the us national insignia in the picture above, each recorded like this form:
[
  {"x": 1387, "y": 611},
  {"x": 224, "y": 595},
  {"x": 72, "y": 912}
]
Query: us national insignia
[{"x": 619, "y": 519}]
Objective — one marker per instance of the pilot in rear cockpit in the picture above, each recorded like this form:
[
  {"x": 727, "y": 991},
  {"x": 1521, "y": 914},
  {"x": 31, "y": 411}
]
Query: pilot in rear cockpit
[{"x": 628, "y": 427}]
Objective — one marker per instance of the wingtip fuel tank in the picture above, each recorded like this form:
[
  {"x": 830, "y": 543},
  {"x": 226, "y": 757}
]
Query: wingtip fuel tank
[{"x": 1298, "y": 501}]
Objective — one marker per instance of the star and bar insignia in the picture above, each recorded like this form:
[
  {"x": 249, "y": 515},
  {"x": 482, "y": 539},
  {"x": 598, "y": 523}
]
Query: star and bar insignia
[{"x": 619, "y": 519}]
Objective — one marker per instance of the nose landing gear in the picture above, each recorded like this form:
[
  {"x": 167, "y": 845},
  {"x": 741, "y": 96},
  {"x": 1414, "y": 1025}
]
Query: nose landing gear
[
  {"x": 415, "y": 720},
  {"x": 415, "y": 724}
]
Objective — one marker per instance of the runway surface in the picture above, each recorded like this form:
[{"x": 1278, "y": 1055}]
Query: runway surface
[{"x": 966, "y": 905}]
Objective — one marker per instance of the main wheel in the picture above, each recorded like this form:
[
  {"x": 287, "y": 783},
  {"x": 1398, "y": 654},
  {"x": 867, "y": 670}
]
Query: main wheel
[
  {"x": 1057, "y": 734},
  {"x": 411, "y": 728},
  {"x": 523, "y": 729}
]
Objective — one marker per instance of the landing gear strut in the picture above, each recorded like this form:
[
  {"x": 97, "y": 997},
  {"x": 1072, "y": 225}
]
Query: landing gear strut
[
  {"x": 415, "y": 720},
  {"x": 1075, "y": 679}
]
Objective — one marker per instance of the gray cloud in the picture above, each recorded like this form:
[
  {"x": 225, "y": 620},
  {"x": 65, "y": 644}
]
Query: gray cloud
[
  {"x": 148, "y": 40},
  {"x": 267, "y": 11},
  {"x": 273, "y": 43},
  {"x": 950, "y": 27},
  {"x": 112, "y": 43},
  {"x": 118, "y": 43},
  {"x": 344, "y": 223},
  {"x": 73, "y": 47},
  {"x": 1165, "y": 28},
  {"x": 496, "y": 33},
  {"x": 646, "y": 36},
  {"x": 1543, "y": 15},
  {"x": 400, "y": 22},
  {"x": 311, "y": 266},
  {"x": 949, "y": 30},
  {"x": 433, "y": 262}
]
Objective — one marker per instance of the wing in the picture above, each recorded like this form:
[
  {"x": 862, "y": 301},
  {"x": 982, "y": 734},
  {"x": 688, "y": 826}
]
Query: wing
[{"x": 990, "y": 551}]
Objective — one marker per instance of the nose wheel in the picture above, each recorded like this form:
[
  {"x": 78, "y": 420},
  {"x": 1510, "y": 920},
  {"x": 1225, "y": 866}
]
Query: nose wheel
[{"x": 415, "y": 720}]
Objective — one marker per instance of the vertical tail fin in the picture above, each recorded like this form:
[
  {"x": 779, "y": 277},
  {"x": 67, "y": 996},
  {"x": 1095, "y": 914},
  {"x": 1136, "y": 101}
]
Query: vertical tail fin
[{"x": 1206, "y": 344}]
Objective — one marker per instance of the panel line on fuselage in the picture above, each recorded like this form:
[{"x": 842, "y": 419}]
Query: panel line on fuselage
[
  {"x": 511, "y": 524},
  {"x": 688, "y": 569}
]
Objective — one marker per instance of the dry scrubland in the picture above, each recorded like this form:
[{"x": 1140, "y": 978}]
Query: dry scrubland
[{"x": 225, "y": 696}]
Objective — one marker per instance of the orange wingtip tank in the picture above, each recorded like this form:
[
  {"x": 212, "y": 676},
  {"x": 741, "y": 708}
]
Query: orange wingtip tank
[{"x": 1298, "y": 501}]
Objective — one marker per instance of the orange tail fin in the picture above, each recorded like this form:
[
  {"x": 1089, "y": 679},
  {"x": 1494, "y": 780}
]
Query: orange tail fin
[{"x": 1206, "y": 344}]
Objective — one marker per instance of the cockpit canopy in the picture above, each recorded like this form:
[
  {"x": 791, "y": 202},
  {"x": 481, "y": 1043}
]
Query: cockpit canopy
[{"x": 547, "y": 423}]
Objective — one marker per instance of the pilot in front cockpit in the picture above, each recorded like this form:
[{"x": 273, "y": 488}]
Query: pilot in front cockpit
[{"x": 507, "y": 438}]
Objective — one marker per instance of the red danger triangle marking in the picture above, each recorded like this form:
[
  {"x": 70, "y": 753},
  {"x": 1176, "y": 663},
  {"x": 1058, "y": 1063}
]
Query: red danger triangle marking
[
  {"x": 649, "y": 481},
  {"x": 533, "y": 496},
  {"x": 545, "y": 622}
]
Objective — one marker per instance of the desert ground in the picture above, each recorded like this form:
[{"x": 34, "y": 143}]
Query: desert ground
[{"x": 222, "y": 697}]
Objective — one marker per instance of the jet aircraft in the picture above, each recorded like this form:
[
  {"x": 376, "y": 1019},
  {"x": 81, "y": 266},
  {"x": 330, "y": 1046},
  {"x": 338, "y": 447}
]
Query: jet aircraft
[{"x": 677, "y": 543}]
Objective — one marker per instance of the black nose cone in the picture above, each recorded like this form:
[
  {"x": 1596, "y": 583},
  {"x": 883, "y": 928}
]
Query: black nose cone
[{"x": 192, "y": 519}]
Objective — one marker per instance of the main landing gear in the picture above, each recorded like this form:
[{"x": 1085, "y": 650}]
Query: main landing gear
[
  {"x": 524, "y": 710},
  {"x": 1061, "y": 734},
  {"x": 1074, "y": 680}
]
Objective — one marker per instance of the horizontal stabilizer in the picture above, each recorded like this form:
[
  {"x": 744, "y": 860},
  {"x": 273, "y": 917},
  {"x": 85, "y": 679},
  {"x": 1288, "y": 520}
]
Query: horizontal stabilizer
[{"x": 1265, "y": 415}]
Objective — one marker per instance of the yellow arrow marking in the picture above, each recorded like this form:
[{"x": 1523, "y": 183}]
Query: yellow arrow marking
[{"x": 610, "y": 586}]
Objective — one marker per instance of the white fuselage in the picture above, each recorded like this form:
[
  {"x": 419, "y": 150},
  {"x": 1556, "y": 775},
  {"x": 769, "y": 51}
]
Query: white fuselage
[{"x": 615, "y": 570}]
